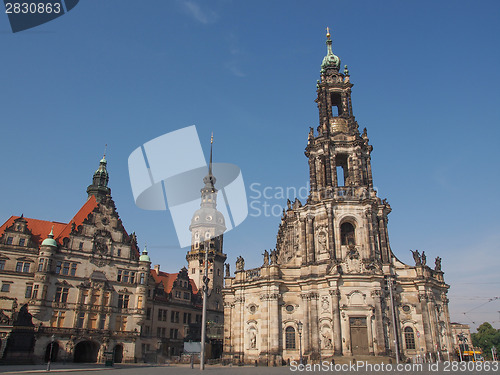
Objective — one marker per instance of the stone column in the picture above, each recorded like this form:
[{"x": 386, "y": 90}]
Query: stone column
[
  {"x": 310, "y": 239},
  {"x": 422, "y": 296},
  {"x": 337, "y": 330},
  {"x": 303, "y": 240},
  {"x": 312, "y": 174},
  {"x": 379, "y": 335},
  {"x": 383, "y": 243},
  {"x": 313, "y": 318},
  {"x": 275, "y": 328},
  {"x": 328, "y": 170},
  {"x": 306, "y": 346},
  {"x": 333, "y": 166},
  {"x": 331, "y": 237}
]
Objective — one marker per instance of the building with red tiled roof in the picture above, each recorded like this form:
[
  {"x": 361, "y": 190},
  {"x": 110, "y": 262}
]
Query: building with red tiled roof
[{"x": 82, "y": 282}]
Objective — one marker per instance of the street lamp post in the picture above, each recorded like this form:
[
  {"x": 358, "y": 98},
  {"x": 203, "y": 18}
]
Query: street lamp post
[
  {"x": 494, "y": 353},
  {"x": 204, "y": 312},
  {"x": 299, "y": 329},
  {"x": 52, "y": 339}
]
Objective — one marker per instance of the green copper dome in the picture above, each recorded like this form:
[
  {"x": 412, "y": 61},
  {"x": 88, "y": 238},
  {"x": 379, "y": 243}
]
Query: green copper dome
[
  {"x": 330, "y": 60},
  {"x": 144, "y": 256},
  {"x": 49, "y": 241}
]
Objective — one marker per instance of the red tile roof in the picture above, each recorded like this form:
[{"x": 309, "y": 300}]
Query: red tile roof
[
  {"x": 168, "y": 280},
  {"x": 41, "y": 228}
]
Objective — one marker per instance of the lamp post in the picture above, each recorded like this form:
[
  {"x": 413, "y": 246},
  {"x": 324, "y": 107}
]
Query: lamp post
[
  {"x": 299, "y": 330},
  {"x": 494, "y": 353},
  {"x": 52, "y": 339},
  {"x": 204, "y": 312}
]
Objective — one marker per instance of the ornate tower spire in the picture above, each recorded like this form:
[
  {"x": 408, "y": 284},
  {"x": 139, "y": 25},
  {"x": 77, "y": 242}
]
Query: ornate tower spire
[
  {"x": 209, "y": 192},
  {"x": 207, "y": 228},
  {"x": 99, "y": 187}
]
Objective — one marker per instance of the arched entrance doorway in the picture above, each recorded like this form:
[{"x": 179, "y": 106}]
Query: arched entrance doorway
[
  {"x": 86, "y": 351},
  {"x": 51, "y": 353},
  {"x": 118, "y": 354}
]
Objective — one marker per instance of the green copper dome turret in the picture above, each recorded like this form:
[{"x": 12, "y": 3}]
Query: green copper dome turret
[
  {"x": 330, "y": 60},
  {"x": 144, "y": 256},
  {"x": 49, "y": 241}
]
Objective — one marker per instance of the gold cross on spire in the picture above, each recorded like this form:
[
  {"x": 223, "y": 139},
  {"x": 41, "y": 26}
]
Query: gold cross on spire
[
  {"x": 212, "y": 138},
  {"x": 327, "y": 32}
]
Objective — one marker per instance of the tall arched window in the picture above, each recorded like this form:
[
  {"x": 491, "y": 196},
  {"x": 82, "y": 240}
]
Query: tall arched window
[
  {"x": 347, "y": 234},
  {"x": 290, "y": 338},
  {"x": 409, "y": 338}
]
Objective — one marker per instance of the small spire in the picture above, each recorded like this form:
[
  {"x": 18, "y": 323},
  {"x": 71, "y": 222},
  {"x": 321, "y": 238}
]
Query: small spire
[
  {"x": 346, "y": 70},
  {"x": 105, "y": 148},
  {"x": 328, "y": 32},
  {"x": 211, "y": 146},
  {"x": 51, "y": 234}
]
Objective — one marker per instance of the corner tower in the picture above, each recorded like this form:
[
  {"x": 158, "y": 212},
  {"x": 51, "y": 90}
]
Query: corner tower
[{"x": 207, "y": 228}]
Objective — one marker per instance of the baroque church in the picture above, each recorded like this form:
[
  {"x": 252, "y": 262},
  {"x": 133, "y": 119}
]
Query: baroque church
[{"x": 333, "y": 286}]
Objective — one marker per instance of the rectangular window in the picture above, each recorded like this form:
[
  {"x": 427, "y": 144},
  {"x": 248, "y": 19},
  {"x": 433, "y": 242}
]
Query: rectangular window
[
  {"x": 158, "y": 332},
  {"x": 19, "y": 267},
  {"x": 26, "y": 267},
  {"x": 35, "y": 292},
  {"x": 123, "y": 301},
  {"x": 132, "y": 277},
  {"x": 80, "y": 319},
  {"x": 58, "y": 268},
  {"x": 2, "y": 265},
  {"x": 80, "y": 246},
  {"x": 119, "y": 277},
  {"x": 159, "y": 314},
  {"x": 57, "y": 319},
  {"x": 184, "y": 318},
  {"x": 125, "y": 276},
  {"x": 139, "y": 302},
  {"x": 141, "y": 279},
  {"x": 172, "y": 316},
  {"x": 29, "y": 290},
  {"x": 95, "y": 297},
  {"x": 92, "y": 324},
  {"x": 187, "y": 295},
  {"x": 148, "y": 313},
  {"x": 40, "y": 265},
  {"x": 73, "y": 269},
  {"x": 5, "y": 287},
  {"x": 22, "y": 241},
  {"x": 9, "y": 240},
  {"x": 61, "y": 294},
  {"x": 121, "y": 323},
  {"x": 105, "y": 299},
  {"x": 65, "y": 270},
  {"x": 118, "y": 252},
  {"x": 102, "y": 321},
  {"x": 165, "y": 315}
]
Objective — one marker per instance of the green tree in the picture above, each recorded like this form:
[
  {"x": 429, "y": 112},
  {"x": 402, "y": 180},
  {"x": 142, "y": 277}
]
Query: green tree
[{"x": 485, "y": 338}]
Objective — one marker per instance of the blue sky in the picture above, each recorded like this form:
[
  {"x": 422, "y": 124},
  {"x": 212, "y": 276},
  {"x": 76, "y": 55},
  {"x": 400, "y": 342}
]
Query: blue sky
[{"x": 124, "y": 72}]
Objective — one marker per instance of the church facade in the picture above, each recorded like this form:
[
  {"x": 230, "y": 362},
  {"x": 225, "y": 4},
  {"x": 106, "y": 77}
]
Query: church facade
[{"x": 333, "y": 286}]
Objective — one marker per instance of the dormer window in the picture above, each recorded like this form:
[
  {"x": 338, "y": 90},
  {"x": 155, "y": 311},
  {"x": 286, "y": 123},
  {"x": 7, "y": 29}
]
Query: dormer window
[
  {"x": 9, "y": 240},
  {"x": 22, "y": 241}
]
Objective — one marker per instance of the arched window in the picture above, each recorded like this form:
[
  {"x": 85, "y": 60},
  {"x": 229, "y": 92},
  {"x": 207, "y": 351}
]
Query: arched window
[
  {"x": 347, "y": 234},
  {"x": 409, "y": 338},
  {"x": 290, "y": 338}
]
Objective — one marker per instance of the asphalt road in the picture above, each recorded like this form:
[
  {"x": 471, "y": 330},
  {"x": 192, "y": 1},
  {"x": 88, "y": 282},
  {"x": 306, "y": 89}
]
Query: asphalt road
[{"x": 360, "y": 368}]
